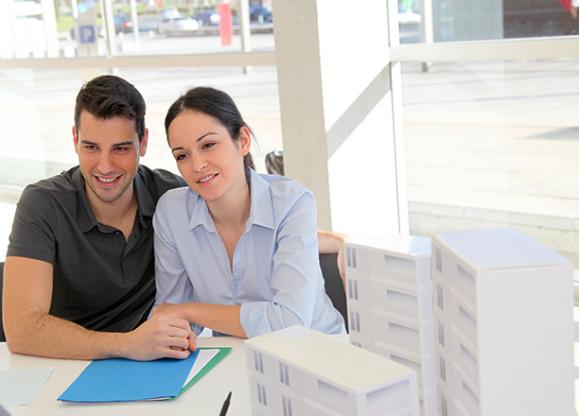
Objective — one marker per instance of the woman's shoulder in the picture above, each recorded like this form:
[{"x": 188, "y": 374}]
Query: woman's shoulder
[
  {"x": 282, "y": 194},
  {"x": 283, "y": 188},
  {"x": 176, "y": 198},
  {"x": 175, "y": 193}
]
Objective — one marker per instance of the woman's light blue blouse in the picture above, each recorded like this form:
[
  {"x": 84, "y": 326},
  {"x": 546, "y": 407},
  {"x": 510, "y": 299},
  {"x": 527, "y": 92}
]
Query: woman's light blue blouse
[{"x": 276, "y": 276}]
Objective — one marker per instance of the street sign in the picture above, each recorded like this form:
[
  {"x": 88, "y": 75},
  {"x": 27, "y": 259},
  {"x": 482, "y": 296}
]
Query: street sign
[{"x": 87, "y": 34}]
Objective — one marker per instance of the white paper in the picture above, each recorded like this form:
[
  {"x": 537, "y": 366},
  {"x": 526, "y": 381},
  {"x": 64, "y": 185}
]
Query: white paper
[
  {"x": 202, "y": 360},
  {"x": 20, "y": 386}
]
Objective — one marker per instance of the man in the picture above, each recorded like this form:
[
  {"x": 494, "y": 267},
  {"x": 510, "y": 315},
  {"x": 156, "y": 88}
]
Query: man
[{"x": 79, "y": 272}]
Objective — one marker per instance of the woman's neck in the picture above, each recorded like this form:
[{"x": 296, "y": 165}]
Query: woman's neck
[{"x": 232, "y": 209}]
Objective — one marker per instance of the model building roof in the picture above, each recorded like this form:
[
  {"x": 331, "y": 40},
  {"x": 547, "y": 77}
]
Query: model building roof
[
  {"x": 409, "y": 245},
  {"x": 331, "y": 358},
  {"x": 499, "y": 249}
]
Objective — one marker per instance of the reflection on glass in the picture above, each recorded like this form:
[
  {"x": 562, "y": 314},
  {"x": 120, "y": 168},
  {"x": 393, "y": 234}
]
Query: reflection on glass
[
  {"x": 36, "y": 114},
  {"x": 459, "y": 20},
  {"x": 494, "y": 144}
]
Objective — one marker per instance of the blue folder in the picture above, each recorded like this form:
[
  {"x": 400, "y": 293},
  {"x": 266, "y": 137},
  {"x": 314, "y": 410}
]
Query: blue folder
[{"x": 121, "y": 380}]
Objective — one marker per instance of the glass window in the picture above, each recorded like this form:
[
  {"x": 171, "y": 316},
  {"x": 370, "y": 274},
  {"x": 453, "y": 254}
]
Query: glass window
[
  {"x": 459, "y": 20},
  {"x": 31, "y": 28},
  {"x": 37, "y": 114},
  {"x": 494, "y": 144}
]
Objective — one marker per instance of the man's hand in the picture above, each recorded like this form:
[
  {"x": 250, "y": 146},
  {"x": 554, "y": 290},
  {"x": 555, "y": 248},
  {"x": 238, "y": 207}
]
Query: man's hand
[
  {"x": 176, "y": 311},
  {"x": 159, "y": 337}
]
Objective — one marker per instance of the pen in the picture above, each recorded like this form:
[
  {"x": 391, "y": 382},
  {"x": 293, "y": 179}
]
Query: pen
[{"x": 225, "y": 405}]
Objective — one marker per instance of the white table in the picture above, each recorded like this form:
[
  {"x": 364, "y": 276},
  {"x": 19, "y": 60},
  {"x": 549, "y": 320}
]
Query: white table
[{"x": 203, "y": 399}]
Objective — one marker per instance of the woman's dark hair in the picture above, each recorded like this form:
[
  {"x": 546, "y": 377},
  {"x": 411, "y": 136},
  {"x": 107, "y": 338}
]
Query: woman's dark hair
[{"x": 214, "y": 103}]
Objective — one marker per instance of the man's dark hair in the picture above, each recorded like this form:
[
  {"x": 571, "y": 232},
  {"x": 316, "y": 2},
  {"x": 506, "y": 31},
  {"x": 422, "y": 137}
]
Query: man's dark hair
[
  {"x": 214, "y": 103},
  {"x": 109, "y": 96}
]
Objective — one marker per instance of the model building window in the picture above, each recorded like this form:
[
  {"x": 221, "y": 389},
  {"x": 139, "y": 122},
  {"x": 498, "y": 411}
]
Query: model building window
[
  {"x": 349, "y": 257},
  {"x": 284, "y": 374},
  {"x": 287, "y": 406},
  {"x": 261, "y": 397},
  {"x": 439, "y": 297},
  {"x": 440, "y": 334},
  {"x": 258, "y": 361},
  {"x": 353, "y": 326},
  {"x": 438, "y": 260}
]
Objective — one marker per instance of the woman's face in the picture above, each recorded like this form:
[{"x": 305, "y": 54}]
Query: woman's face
[{"x": 207, "y": 157}]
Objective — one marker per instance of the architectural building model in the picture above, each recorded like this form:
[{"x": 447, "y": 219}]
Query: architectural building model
[
  {"x": 504, "y": 325},
  {"x": 389, "y": 295},
  {"x": 301, "y": 372}
]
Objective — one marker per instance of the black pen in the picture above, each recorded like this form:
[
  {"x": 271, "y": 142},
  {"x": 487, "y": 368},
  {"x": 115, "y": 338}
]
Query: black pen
[{"x": 225, "y": 405}]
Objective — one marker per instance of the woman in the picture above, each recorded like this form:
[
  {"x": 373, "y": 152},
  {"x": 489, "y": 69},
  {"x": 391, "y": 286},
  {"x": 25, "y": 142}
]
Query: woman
[{"x": 235, "y": 251}]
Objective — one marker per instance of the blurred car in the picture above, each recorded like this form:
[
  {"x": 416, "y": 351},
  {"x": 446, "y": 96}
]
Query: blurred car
[
  {"x": 260, "y": 14},
  {"x": 530, "y": 18},
  {"x": 207, "y": 17},
  {"x": 170, "y": 13},
  {"x": 123, "y": 23},
  {"x": 149, "y": 23},
  {"x": 180, "y": 26}
]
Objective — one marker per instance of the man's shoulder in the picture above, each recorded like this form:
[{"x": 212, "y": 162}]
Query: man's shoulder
[
  {"x": 159, "y": 181},
  {"x": 53, "y": 187}
]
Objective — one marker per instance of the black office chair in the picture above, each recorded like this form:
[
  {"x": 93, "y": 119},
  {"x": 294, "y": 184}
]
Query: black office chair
[
  {"x": 328, "y": 261},
  {"x": 2, "y": 336},
  {"x": 334, "y": 284}
]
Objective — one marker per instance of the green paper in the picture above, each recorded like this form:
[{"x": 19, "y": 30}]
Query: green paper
[{"x": 223, "y": 352}]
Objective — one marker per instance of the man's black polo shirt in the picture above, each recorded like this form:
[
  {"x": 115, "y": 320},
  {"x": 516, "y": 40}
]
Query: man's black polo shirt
[{"x": 101, "y": 281}]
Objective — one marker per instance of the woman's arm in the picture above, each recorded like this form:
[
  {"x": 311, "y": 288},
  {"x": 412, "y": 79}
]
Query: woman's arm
[
  {"x": 173, "y": 284},
  {"x": 296, "y": 275},
  {"x": 295, "y": 283},
  {"x": 221, "y": 318}
]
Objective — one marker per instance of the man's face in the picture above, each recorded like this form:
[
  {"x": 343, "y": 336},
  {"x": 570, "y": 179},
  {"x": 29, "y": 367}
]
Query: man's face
[{"x": 108, "y": 154}]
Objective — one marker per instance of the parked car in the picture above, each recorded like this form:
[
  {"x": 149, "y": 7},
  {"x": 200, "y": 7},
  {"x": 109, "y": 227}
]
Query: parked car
[
  {"x": 180, "y": 26},
  {"x": 207, "y": 17},
  {"x": 260, "y": 14},
  {"x": 123, "y": 23},
  {"x": 149, "y": 23}
]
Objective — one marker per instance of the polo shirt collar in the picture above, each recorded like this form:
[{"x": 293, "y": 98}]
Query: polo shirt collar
[
  {"x": 145, "y": 201},
  {"x": 261, "y": 210},
  {"x": 86, "y": 218}
]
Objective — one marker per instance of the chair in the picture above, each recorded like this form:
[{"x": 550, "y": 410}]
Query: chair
[
  {"x": 334, "y": 284},
  {"x": 2, "y": 336}
]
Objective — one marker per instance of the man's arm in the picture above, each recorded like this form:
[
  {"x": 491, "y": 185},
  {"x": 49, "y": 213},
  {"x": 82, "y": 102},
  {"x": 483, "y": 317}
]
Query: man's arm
[
  {"x": 31, "y": 330},
  {"x": 330, "y": 242}
]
